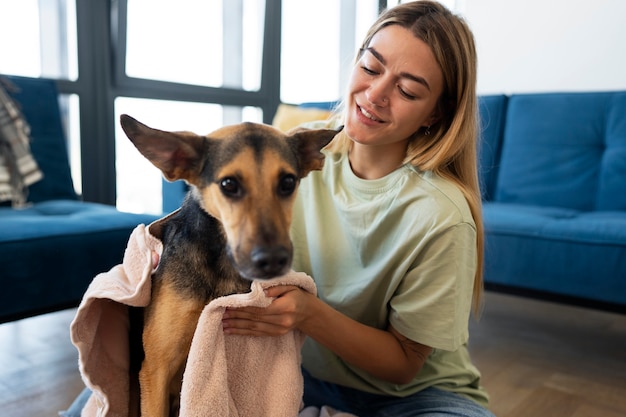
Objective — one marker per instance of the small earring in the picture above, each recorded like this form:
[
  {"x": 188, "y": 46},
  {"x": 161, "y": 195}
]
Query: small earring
[{"x": 427, "y": 132}]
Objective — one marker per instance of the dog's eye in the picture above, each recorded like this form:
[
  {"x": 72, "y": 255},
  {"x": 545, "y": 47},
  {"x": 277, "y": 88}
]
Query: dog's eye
[
  {"x": 230, "y": 187},
  {"x": 287, "y": 185}
]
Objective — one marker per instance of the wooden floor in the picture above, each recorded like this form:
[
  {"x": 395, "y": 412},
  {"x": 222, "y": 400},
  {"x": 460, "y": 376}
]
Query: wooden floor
[
  {"x": 38, "y": 366},
  {"x": 537, "y": 359},
  {"x": 545, "y": 359}
]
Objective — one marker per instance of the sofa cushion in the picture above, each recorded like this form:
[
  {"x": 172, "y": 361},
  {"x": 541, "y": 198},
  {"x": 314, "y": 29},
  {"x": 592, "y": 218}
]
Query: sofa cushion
[
  {"x": 597, "y": 227},
  {"x": 558, "y": 251},
  {"x": 612, "y": 182},
  {"x": 38, "y": 100},
  {"x": 51, "y": 251},
  {"x": 64, "y": 217},
  {"x": 289, "y": 116},
  {"x": 492, "y": 111},
  {"x": 552, "y": 149}
]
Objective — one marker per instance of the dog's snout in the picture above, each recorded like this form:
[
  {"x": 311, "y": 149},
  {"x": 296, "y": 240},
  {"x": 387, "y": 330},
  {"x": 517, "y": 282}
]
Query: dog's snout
[{"x": 271, "y": 262}]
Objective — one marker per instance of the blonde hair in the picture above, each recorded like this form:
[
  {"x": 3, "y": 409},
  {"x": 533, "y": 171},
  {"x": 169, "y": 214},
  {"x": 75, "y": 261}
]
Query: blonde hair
[{"x": 450, "y": 149}]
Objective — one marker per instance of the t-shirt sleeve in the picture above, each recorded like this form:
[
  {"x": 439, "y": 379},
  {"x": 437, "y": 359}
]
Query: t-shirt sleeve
[{"x": 432, "y": 304}]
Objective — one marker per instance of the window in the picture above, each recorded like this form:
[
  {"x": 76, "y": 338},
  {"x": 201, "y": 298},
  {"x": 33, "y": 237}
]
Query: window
[
  {"x": 319, "y": 42},
  {"x": 210, "y": 43},
  {"x": 192, "y": 65},
  {"x": 39, "y": 38},
  {"x": 216, "y": 44},
  {"x": 138, "y": 181}
]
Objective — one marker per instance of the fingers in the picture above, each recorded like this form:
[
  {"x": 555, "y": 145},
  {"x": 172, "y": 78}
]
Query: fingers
[
  {"x": 246, "y": 313},
  {"x": 246, "y": 323},
  {"x": 280, "y": 317},
  {"x": 279, "y": 290},
  {"x": 250, "y": 316},
  {"x": 252, "y": 328}
]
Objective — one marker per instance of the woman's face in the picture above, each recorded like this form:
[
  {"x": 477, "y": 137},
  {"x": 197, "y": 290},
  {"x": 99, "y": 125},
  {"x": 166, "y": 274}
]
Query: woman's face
[{"x": 393, "y": 89}]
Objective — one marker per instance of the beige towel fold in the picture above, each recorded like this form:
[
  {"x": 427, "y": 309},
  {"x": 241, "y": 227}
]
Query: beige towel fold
[
  {"x": 100, "y": 329},
  {"x": 242, "y": 375},
  {"x": 226, "y": 375}
]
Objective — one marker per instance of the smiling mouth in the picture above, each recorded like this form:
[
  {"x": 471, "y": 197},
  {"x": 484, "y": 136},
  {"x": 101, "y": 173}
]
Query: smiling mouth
[{"x": 368, "y": 114}]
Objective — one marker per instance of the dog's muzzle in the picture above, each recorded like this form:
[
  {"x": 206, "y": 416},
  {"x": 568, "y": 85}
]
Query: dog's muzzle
[{"x": 269, "y": 262}]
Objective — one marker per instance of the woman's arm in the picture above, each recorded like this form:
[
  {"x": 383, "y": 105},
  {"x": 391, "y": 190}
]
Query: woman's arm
[{"x": 385, "y": 354}]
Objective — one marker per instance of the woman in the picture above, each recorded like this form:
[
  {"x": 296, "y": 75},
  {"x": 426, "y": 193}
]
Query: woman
[{"x": 391, "y": 231}]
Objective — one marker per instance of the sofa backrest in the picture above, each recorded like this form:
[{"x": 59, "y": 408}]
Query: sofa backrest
[
  {"x": 39, "y": 103},
  {"x": 492, "y": 112},
  {"x": 565, "y": 150}
]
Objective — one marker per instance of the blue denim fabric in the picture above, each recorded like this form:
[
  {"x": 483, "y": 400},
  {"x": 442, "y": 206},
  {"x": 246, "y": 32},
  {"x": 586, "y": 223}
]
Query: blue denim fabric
[
  {"x": 430, "y": 402},
  {"x": 78, "y": 404}
]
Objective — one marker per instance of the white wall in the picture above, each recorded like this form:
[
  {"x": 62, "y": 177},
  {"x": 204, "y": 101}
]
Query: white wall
[{"x": 548, "y": 45}]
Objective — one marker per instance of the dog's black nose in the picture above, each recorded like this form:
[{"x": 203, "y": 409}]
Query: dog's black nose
[{"x": 271, "y": 262}]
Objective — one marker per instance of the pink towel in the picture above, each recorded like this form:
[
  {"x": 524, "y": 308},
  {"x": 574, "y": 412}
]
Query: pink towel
[{"x": 226, "y": 375}]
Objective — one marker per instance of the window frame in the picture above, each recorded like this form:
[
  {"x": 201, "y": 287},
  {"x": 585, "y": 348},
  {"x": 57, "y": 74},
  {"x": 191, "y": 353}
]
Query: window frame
[{"x": 101, "y": 49}]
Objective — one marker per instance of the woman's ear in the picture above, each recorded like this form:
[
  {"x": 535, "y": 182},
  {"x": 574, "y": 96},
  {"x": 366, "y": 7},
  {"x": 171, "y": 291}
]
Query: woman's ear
[
  {"x": 433, "y": 119},
  {"x": 437, "y": 115}
]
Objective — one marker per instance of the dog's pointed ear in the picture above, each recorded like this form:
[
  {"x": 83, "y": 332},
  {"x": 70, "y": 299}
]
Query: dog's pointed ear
[
  {"x": 177, "y": 154},
  {"x": 308, "y": 143}
]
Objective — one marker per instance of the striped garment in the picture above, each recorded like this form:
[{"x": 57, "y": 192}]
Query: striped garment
[{"x": 18, "y": 168}]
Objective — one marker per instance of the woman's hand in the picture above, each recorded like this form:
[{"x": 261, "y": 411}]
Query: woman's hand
[
  {"x": 385, "y": 354},
  {"x": 285, "y": 313}
]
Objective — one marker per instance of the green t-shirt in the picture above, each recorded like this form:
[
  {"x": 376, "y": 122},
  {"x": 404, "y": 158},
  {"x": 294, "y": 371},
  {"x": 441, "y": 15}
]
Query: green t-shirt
[{"x": 400, "y": 249}]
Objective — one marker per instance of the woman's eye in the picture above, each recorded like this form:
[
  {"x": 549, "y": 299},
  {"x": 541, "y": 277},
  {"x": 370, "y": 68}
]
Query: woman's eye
[
  {"x": 368, "y": 70},
  {"x": 406, "y": 94}
]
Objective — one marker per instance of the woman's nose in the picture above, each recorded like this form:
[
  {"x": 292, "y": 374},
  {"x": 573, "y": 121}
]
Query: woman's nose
[{"x": 378, "y": 93}]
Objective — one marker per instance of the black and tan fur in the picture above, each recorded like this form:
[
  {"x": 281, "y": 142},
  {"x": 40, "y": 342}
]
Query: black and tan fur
[{"x": 232, "y": 227}]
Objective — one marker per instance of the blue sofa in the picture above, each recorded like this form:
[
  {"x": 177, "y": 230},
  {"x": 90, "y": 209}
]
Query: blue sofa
[
  {"x": 51, "y": 250},
  {"x": 553, "y": 168},
  {"x": 553, "y": 173}
]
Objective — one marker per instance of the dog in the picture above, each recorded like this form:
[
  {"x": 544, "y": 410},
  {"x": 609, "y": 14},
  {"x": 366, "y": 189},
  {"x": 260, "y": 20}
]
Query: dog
[{"x": 233, "y": 227}]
